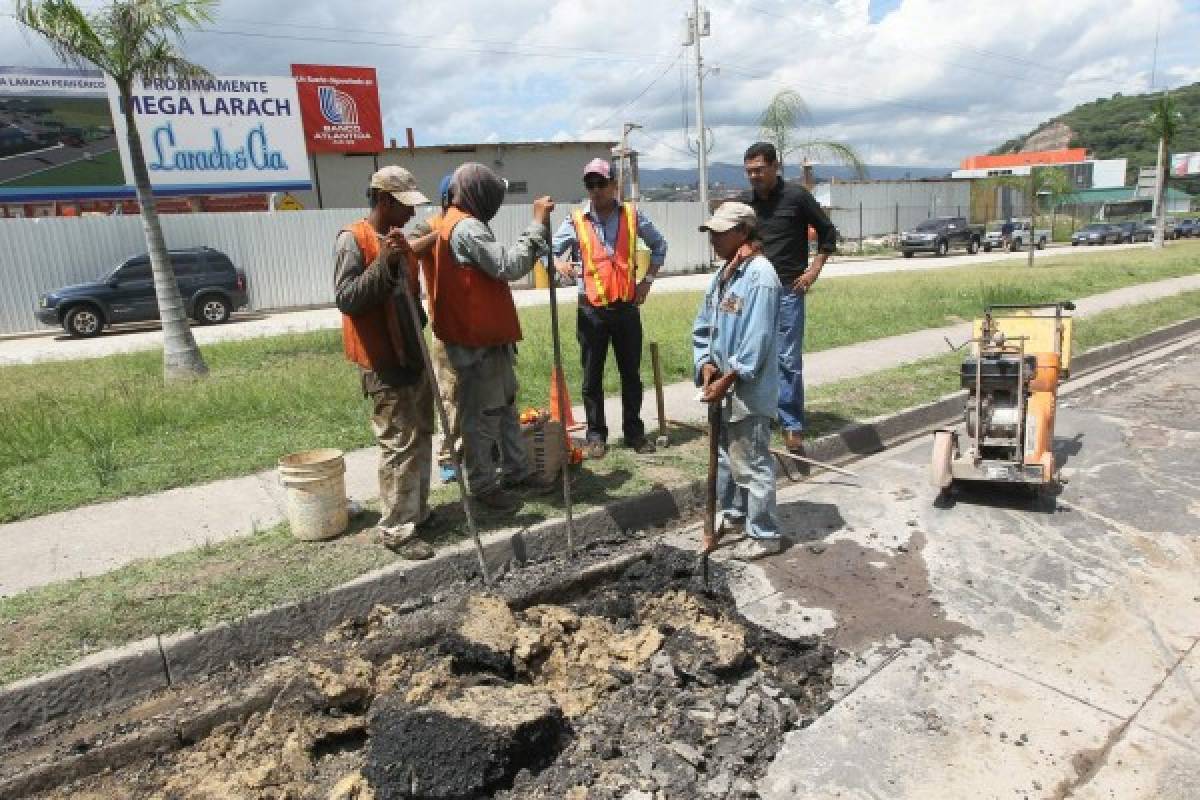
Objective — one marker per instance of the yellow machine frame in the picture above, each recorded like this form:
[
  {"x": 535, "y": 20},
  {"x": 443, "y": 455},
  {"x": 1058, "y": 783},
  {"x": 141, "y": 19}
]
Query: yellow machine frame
[{"x": 1045, "y": 332}]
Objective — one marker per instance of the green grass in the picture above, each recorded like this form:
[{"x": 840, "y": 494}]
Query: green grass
[
  {"x": 103, "y": 170},
  {"x": 85, "y": 431},
  {"x": 51, "y": 626}
]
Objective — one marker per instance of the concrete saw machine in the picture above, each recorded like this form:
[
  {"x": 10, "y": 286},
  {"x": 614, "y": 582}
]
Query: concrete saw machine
[{"x": 1019, "y": 356}]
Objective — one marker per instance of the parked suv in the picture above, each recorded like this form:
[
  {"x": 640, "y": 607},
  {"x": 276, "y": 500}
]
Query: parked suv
[
  {"x": 1187, "y": 227},
  {"x": 939, "y": 235},
  {"x": 1134, "y": 232},
  {"x": 210, "y": 285}
]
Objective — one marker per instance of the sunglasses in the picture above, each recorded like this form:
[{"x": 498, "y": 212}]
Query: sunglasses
[{"x": 595, "y": 183}]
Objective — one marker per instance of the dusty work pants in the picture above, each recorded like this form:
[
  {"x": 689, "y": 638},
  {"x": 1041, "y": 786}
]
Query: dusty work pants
[
  {"x": 402, "y": 420},
  {"x": 621, "y": 325},
  {"x": 491, "y": 432},
  {"x": 746, "y": 476},
  {"x": 447, "y": 380}
]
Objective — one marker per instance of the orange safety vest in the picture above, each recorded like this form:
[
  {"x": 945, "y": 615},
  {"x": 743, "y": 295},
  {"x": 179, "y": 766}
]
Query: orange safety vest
[
  {"x": 468, "y": 307},
  {"x": 427, "y": 267},
  {"x": 375, "y": 339},
  {"x": 608, "y": 278}
]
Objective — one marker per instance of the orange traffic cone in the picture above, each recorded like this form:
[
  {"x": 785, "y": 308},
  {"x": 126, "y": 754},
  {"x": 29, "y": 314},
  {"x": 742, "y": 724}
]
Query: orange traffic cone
[{"x": 558, "y": 389}]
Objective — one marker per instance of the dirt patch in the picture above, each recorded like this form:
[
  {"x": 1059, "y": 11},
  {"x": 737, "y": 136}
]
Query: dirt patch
[
  {"x": 873, "y": 594},
  {"x": 647, "y": 683}
]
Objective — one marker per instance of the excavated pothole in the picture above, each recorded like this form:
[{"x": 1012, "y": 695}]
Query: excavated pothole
[{"x": 649, "y": 685}]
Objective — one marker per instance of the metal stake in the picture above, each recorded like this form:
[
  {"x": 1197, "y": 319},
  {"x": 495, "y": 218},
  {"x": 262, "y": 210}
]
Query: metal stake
[{"x": 562, "y": 400}]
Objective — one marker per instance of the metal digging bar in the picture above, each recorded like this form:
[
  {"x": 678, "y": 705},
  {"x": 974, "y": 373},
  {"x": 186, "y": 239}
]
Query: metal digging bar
[
  {"x": 562, "y": 400},
  {"x": 441, "y": 407}
]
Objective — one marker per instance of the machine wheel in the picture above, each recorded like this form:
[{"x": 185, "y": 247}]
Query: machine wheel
[{"x": 940, "y": 472}]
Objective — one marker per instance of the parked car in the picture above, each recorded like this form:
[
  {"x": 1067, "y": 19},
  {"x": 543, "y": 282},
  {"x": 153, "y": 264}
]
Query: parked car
[
  {"x": 1096, "y": 233},
  {"x": 939, "y": 235},
  {"x": 1020, "y": 235},
  {"x": 1170, "y": 230},
  {"x": 211, "y": 287},
  {"x": 1135, "y": 232},
  {"x": 1187, "y": 227}
]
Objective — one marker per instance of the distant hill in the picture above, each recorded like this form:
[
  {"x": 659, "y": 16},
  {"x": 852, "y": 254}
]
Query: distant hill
[
  {"x": 1114, "y": 127},
  {"x": 734, "y": 175}
]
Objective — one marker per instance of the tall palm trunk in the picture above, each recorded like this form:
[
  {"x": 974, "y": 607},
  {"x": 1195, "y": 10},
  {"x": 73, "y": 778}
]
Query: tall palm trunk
[
  {"x": 181, "y": 356},
  {"x": 1160, "y": 194}
]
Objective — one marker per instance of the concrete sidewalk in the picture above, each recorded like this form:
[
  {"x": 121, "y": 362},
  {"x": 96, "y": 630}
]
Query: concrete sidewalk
[{"x": 98, "y": 538}]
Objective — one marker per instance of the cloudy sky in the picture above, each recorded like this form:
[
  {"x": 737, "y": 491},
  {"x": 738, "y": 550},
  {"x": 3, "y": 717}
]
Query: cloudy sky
[{"x": 907, "y": 82}]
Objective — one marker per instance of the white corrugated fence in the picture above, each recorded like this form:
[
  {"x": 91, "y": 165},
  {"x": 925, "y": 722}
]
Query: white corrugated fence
[{"x": 287, "y": 255}]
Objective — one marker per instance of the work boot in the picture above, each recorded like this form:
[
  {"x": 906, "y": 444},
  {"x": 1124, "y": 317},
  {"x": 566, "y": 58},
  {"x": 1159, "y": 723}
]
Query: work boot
[
  {"x": 794, "y": 442},
  {"x": 727, "y": 524},
  {"x": 499, "y": 499},
  {"x": 534, "y": 483},
  {"x": 642, "y": 446},
  {"x": 753, "y": 549},
  {"x": 414, "y": 550},
  {"x": 402, "y": 540}
]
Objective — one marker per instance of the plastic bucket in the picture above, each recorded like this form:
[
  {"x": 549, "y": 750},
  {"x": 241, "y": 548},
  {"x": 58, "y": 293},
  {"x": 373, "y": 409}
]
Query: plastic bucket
[{"x": 316, "y": 493}]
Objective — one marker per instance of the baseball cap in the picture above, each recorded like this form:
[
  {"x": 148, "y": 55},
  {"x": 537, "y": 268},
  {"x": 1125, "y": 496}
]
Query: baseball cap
[
  {"x": 728, "y": 216},
  {"x": 598, "y": 166},
  {"x": 400, "y": 184}
]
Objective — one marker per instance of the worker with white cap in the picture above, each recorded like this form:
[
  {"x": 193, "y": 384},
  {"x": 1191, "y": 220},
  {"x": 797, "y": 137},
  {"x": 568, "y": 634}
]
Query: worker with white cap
[
  {"x": 601, "y": 237},
  {"x": 736, "y": 357},
  {"x": 374, "y": 268}
]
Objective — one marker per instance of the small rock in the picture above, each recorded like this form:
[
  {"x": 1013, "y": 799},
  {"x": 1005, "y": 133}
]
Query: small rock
[
  {"x": 902, "y": 548},
  {"x": 688, "y": 753},
  {"x": 770, "y": 691},
  {"x": 816, "y": 548}
]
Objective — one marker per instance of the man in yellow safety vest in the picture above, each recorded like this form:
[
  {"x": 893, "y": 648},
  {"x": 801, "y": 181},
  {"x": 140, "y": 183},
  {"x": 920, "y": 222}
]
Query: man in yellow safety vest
[{"x": 601, "y": 240}]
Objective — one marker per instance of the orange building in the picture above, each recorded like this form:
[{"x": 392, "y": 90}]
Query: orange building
[{"x": 1072, "y": 155}]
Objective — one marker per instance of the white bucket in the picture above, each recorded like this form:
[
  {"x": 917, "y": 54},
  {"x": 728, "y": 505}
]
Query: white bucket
[{"x": 316, "y": 493}]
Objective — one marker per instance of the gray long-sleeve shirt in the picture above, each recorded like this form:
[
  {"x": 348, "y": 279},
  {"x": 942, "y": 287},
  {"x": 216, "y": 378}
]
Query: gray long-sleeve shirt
[{"x": 473, "y": 242}]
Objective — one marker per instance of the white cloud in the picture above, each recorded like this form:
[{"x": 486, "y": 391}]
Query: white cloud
[{"x": 929, "y": 83}]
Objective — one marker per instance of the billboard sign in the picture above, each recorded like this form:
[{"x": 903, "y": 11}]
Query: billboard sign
[
  {"x": 340, "y": 106},
  {"x": 217, "y": 134},
  {"x": 57, "y": 139},
  {"x": 1184, "y": 164}
]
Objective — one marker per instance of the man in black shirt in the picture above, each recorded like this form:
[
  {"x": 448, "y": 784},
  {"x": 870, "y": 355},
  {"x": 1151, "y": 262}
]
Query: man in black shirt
[{"x": 785, "y": 212}]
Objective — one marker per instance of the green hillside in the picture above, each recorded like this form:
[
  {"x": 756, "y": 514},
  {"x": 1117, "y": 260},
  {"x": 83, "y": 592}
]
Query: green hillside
[{"x": 1114, "y": 127}]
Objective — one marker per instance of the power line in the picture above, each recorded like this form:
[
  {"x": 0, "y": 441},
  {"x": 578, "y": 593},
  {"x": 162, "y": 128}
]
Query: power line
[
  {"x": 512, "y": 51},
  {"x": 640, "y": 94}
]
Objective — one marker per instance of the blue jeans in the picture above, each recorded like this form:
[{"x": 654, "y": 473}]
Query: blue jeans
[
  {"x": 791, "y": 360},
  {"x": 746, "y": 476}
]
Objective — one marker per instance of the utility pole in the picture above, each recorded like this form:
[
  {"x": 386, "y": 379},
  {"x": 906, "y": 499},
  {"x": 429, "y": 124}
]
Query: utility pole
[
  {"x": 627, "y": 167},
  {"x": 698, "y": 27}
]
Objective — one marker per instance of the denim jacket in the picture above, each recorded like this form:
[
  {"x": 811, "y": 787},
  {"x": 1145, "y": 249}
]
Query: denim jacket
[{"x": 736, "y": 330}]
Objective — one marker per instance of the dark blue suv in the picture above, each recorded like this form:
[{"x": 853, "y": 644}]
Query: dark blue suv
[{"x": 211, "y": 287}]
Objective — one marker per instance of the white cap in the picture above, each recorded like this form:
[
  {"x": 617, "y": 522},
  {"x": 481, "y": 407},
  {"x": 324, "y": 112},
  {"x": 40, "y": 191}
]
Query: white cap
[
  {"x": 728, "y": 216},
  {"x": 400, "y": 184}
]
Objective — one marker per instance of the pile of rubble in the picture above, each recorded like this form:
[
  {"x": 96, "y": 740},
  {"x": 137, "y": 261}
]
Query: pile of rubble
[{"x": 649, "y": 686}]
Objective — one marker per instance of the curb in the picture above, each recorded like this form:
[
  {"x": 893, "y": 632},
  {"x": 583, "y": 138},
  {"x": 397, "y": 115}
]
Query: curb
[{"x": 107, "y": 678}]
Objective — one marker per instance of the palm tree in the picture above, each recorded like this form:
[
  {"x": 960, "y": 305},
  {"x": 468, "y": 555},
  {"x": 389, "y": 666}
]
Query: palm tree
[
  {"x": 131, "y": 40},
  {"x": 1163, "y": 124},
  {"x": 778, "y": 123},
  {"x": 1049, "y": 182}
]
